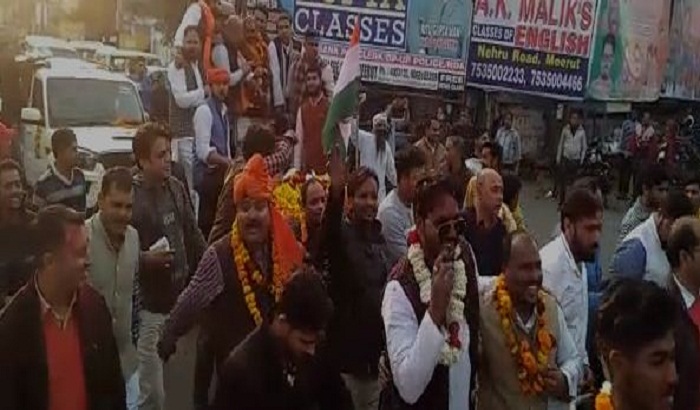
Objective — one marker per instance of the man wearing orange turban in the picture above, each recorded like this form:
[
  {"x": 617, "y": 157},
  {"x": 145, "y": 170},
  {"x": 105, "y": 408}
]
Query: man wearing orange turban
[
  {"x": 213, "y": 152},
  {"x": 241, "y": 276}
]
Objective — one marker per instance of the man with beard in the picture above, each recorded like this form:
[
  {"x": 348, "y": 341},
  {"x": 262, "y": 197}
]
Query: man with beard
[
  {"x": 374, "y": 152},
  {"x": 431, "y": 310},
  {"x": 635, "y": 328},
  {"x": 358, "y": 268},
  {"x": 396, "y": 210},
  {"x": 277, "y": 154},
  {"x": 309, "y": 156},
  {"x": 524, "y": 333},
  {"x": 187, "y": 93},
  {"x": 16, "y": 247},
  {"x": 485, "y": 229},
  {"x": 641, "y": 255},
  {"x": 563, "y": 263},
  {"x": 239, "y": 280},
  {"x": 212, "y": 140},
  {"x": 684, "y": 286},
  {"x": 691, "y": 186},
  {"x": 297, "y": 73},
  {"x": 276, "y": 366},
  {"x": 114, "y": 260}
]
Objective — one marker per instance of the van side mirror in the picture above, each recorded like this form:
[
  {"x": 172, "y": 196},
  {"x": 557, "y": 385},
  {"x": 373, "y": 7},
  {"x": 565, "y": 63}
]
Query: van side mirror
[{"x": 31, "y": 116}]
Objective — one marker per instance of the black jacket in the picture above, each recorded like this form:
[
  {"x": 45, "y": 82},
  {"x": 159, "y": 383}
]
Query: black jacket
[
  {"x": 687, "y": 394},
  {"x": 25, "y": 384},
  {"x": 253, "y": 379},
  {"x": 358, "y": 271}
]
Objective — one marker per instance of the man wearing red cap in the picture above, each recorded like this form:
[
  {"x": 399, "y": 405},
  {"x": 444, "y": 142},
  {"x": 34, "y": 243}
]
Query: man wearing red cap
[{"x": 212, "y": 142}]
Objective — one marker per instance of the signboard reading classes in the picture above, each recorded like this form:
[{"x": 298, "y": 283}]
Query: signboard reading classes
[
  {"x": 413, "y": 43},
  {"x": 534, "y": 46}
]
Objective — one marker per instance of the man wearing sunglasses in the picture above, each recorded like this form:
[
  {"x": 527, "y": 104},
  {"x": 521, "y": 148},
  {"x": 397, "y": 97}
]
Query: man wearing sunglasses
[{"x": 431, "y": 310}]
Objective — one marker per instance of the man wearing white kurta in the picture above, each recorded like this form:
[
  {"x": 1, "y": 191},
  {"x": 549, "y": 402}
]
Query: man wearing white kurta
[
  {"x": 429, "y": 342},
  {"x": 563, "y": 261}
]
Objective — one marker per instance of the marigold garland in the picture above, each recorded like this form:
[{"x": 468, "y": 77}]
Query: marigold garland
[
  {"x": 603, "y": 401},
  {"x": 249, "y": 272},
  {"x": 532, "y": 361}
]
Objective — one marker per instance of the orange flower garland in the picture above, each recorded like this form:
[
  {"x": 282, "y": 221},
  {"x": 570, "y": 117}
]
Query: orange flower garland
[
  {"x": 248, "y": 271},
  {"x": 531, "y": 363},
  {"x": 603, "y": 401}
]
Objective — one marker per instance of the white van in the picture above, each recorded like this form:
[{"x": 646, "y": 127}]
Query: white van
[
  {"x": 102, "y": 108},
  {"x": 118, "y": 59}
]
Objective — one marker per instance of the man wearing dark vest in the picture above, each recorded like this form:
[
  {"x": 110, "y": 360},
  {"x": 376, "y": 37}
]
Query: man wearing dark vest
[
  {"x": 212, "y": 140},
  {"x": 240, "y": 277},
  {"x": 309, "y": 155},
  {"x": 281, "y": 52},
  {"x": 431, "y": 311},
  {"x": 529, "y": 360},
  {"x": 187, "y": 93}
]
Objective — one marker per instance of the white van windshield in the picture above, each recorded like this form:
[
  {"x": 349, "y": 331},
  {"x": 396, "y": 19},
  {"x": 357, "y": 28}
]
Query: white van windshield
[{"x": 75, "y": 102}]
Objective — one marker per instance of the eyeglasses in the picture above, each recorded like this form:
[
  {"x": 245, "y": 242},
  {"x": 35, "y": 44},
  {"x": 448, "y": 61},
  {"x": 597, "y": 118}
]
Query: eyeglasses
[{"x": 459, "y": 225}]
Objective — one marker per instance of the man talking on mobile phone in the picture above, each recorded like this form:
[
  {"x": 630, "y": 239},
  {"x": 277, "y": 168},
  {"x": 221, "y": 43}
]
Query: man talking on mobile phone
[{"x": 431, "y": 310}]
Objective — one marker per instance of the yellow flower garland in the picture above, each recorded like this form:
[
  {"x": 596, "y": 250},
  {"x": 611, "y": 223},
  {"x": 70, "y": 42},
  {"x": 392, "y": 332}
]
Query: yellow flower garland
[
  {"x": 531, "y": 363},
  {"x": 248, "y": 271}
]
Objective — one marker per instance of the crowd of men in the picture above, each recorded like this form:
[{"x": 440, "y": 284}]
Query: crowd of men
[{"x": 415, "y": 283}]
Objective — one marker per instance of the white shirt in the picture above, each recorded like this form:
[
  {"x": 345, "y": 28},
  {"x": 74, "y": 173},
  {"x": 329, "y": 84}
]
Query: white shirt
[
  {"x": 381, "y": 163},
  {"x": 688, "y": 297},
  {"x": 567, "y": 358},
  {"x": 192, "y": 16},
  {"x": 414, "y": 350},
  {"x": 178, "y": 86},
  {"x": 568, "y": 283},
  {"x": 572, "y": 145},
  {"x": 203, "y": 119}
]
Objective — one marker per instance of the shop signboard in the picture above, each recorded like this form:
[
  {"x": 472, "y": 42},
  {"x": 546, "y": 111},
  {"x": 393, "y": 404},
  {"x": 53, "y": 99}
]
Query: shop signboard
[
  {"x": 539, "y": 47},
  {"x": 413, "y": 43},
  {"x": 682, "y": 80},
  {"x": 631, "y": 50}
]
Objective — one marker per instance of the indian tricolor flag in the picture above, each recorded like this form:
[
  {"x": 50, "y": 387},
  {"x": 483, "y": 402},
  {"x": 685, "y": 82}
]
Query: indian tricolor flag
[{"x": 345, "y": 94}]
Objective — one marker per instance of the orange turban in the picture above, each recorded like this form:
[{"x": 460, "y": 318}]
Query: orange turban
[
  {"x": 217, "y": 76},
  {"x": 255, "y": 182}
]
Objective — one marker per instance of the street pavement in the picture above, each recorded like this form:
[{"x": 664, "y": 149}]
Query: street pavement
[{"x": 541, "y": 217}]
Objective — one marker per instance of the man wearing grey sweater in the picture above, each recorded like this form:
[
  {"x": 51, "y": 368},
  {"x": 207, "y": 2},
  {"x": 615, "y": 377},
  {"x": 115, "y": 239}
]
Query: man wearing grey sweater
[{"x": 395, "y": 211}]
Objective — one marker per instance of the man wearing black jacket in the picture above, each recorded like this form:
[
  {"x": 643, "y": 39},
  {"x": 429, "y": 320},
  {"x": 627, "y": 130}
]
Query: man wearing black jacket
[
  {"x": 57, "y": 350},
  {"x": 276, "y": 366},
  {"x": 684, "y": 286}
]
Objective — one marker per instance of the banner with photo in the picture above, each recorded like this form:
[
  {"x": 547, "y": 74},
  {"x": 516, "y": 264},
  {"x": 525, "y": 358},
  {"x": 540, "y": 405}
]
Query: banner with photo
[
  {"x": 413, "y": 43},
  {"x": 682, "y": 80},
  {"x": 631, "y": 50},
  {"x": 538, "y": 47}
]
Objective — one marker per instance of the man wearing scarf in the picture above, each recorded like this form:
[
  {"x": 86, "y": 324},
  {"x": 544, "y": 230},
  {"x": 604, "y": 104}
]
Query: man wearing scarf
[
  {"x": 212, "y": 143},
  {"x": 240, "y": 277}
]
